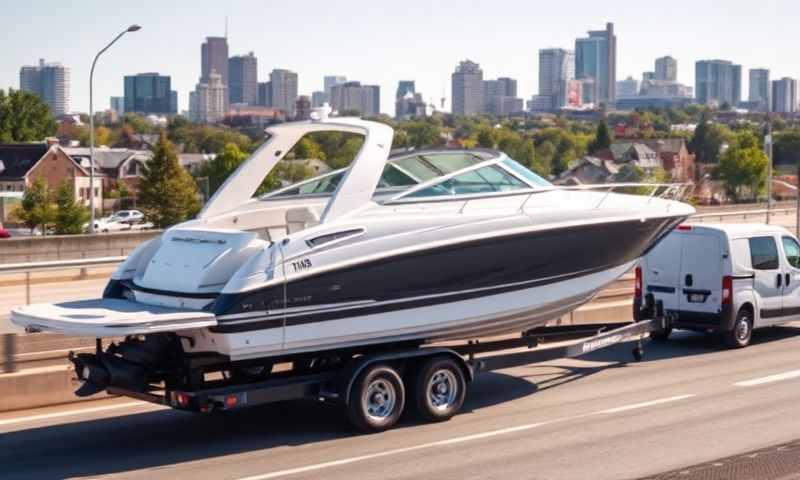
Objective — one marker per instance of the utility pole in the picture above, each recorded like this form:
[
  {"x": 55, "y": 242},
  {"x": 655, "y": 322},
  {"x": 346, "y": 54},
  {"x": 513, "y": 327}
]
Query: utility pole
[{"x": 768, "y": 147}]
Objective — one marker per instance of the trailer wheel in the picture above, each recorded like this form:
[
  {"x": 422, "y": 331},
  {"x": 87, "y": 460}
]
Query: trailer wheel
[
  {"x": 440, "y": 389},
  {"x": 661, "y": 335},
  {"x": 742, "y": 332},
  {"x": 376, "y": 399}
]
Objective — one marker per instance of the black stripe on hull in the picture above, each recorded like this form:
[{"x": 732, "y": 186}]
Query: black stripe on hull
[{"x": 476, "y": 268}]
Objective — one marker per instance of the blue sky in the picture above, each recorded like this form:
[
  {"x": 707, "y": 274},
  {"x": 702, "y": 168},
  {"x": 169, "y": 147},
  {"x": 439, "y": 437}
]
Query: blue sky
[{"x": 382, "y": 42}]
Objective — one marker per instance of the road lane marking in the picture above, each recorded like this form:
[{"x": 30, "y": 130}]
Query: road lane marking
[
  {"x": 635, "y": 406},
  {"x": 46, "y": 416},
  {"x": 769, "y": 379},
  {"x": 453, "y": 441}
]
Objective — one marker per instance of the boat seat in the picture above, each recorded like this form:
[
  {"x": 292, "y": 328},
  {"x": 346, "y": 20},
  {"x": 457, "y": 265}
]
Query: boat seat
[{"x": 300, "y": 218}]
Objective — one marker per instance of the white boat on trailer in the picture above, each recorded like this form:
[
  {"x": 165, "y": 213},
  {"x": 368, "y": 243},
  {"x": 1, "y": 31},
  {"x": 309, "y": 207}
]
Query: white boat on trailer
[{"x": 392, "y": 252}]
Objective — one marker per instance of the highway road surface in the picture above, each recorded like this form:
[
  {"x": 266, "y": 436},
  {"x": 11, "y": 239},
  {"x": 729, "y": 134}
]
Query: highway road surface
[{"x": 690, "y": 402}]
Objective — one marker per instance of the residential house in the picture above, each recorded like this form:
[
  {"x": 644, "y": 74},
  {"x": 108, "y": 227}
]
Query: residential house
[
  {"x": 22, "y": 164},
  {"x": 589, "y": 170},
  {"x": 114, "y": 165},
  {"x": 671, "y": 154}
]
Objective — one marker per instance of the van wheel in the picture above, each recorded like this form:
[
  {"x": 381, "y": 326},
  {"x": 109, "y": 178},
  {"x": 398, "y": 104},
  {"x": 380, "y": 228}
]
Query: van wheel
[
  {"x": 440, "y": 389},
  {"x": 742, "y": 332},
  {"x": 661, "y": 335},
  {"x": 376, "y": 399}
]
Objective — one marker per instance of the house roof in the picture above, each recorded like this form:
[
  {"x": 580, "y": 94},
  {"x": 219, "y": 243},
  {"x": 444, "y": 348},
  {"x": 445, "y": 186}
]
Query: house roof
[
  {"x": 105, "y": 158},
  {"x": 18, "y": 159}
]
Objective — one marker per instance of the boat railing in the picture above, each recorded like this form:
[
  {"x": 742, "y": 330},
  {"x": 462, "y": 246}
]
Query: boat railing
[{"x": 665, "y": 191}]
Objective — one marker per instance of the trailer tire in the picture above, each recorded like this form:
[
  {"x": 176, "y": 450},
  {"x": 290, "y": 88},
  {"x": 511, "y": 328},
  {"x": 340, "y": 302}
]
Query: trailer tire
[
  {"x": 440, "y": 389},
  {"x": 661, "y": 335},
  {"x": 376, "y": 399},
  {"x": 741, "y": 333}
]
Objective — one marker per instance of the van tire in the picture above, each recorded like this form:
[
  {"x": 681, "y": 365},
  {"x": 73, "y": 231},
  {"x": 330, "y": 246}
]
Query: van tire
[
  {"x": 741, "y": 333},
  {"x": 661, "y": 335}
]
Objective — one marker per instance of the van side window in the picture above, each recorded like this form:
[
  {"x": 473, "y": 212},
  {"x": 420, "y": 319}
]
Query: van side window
[
  {"x": 792, "y": 250},
  {"x": 764, "y": 253}
]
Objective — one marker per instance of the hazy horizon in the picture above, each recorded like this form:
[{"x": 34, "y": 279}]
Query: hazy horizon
[{"x": 381, "y": 43}]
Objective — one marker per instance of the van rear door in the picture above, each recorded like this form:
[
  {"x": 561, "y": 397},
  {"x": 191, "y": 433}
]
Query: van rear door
[
  {"x": 701, "y": 266},
  {"x": 661, "y": 270}
]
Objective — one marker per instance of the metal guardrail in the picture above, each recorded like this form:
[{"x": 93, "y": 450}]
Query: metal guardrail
[{"x": 741, "y": 213}]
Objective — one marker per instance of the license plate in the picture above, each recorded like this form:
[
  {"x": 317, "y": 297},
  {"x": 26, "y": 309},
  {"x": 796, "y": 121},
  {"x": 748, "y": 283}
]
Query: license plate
[{"x": 697, "y": 298}]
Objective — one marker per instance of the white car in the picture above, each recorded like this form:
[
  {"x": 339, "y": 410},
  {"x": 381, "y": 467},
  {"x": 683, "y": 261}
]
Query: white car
[
  {"x": 108, "y": 224},
  {"x": 727, "y": 278},
  {"x": 129, "y": 216}
]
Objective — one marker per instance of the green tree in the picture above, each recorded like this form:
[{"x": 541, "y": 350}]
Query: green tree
[
  {"x": 36, "y": 209},
  {"x": 743, "y": 167},
  {"x": 222, "y": 166},
  {"x": 70, "y": 216},
  {"x": 707, "y": 140},
  {"x": 167, "y": 193},
  {"x": 602, "y": 138},
  {"x": 422, "y": 134},
  {"x": 307, "y": 149},
  {"x": 786, "y": 149},
  {"x": 24, "y": 117},
  {"x": 346, "y": 153}
]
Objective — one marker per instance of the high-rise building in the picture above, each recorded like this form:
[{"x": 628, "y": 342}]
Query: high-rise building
[
  {"x": 284, "y": 90},
  {"x": 497, "y": 93},
  {"x": 467, "y": 89},
  {"x": 760, "y": 89},
  {"x": 556, "y": 68},
  {"x": 265, "y": 94},
  {"x": 628, "y": 87},
  {"x": 149, "y": 93},
  {"x": 318, "y": 99},
  {"x": 243, "y": 77},
  {"x": 118, "y": 105},
  {"x": 331, "y": 80},
  {"x": 784, "y": 95},
  {"x": 596, "y": 58},
  {"x": 50, "y": 82},
  {"x": 403, "y": 87},
  {"x": 354, "y": 97},
  {"x": 214, "y": 57},
  {"x": 208, "y": 102},
  {"x": 303, "y": 107},
  {"x": 666, "y": 69},
  {"x": 718, "y": 82}
]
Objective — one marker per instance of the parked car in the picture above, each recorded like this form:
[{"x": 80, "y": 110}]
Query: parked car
[
  {"x": 131, "y": 217},
  {"x": 108, "y": 224},
  {"x": 723, "y": 278},
  {"x": 4, "y": 233}
]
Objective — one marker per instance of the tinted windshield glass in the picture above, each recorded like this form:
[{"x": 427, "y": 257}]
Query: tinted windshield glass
[
  {"x": 321, "y": 185},
  {"x": 528, "y": 175},
  {"x": 393, "y": 177},
  {"x": 488, "y": 179}
]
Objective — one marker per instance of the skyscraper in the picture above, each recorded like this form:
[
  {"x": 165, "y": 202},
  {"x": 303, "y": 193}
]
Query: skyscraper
[
  {"x": 497, "y": 93},
  {"x": 284, "y": 90},
  {"x": 209, "y": 100},
  {"x": 331, "y": 80},
  {"x": 760, "y": 88},
  {"x": 149, "y": 93},
  {"x": 596, "y": 58},
  {"x": 666, "y": 69},
  {"x": 50, "y": 82},
  {"x": 265, "y": 94},
  {"x": 243, "y": 76},
  {"x": 556, "y": 68},
  {"x": 628, "y": 87},
  {"x": 214, "y": 57},
  {"x": 403, "y": 87},
  {"x": 318, "y": 98},
  {"x": 118, "y": 105},
  {"x": 784, "y": 95},
  {"x": 352, "y": 96},
  {"x": 467, "y": 89},
  {"x": 718, "y": 82}
]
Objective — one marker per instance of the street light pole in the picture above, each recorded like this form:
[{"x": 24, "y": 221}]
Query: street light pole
[{"x": 132, "y": 28}]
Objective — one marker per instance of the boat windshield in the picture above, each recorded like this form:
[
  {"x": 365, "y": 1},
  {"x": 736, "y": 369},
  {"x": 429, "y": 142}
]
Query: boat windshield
[
  {"x": 488, "y": 179},
  {"x": 399, "y": 174}
]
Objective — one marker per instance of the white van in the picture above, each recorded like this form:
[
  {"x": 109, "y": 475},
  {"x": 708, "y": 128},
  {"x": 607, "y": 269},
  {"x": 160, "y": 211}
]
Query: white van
[{"x": 728, "y": 278}]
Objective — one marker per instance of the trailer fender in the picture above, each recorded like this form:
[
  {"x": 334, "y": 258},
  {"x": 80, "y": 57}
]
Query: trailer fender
[{"x": 350, "y": 373}]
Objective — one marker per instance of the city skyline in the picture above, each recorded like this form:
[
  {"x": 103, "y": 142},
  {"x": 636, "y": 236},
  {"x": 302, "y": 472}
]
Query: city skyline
[{"x": 441, "y": 38}]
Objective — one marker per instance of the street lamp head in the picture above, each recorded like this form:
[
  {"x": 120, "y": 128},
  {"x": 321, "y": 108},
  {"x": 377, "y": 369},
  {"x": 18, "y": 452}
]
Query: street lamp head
[{"x": 134, "y": 28}]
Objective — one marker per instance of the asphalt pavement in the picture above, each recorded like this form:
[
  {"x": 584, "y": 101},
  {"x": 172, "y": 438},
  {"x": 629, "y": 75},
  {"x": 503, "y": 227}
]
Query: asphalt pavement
[{"x": 690, "y": 402}]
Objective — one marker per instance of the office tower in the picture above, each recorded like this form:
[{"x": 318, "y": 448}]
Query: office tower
[
  {"x": 718, "y": 82},
  {"x": 496, "y": 93},
  {"x": 403, "y": 87},
  {"x": 265, "y": 94},
  {"x": 331, "y": 80},
  {"x": 760, "y": 88},
  {"x": 48, "y": 81},
  {"x": 596, "y": 58},
  {"x": 556, "y": 68},
  {"x": 318, "y": 99},
  {"x": 148, "y": 93},
  {"x": 467, "y": 89},
  {"x": 118, "y": 105},
  {"x": 214, "y": 57},
  {"x": 666, "y": 69},
  {"x": 354, "y": 97},
  {"x": 303, "y": 107},
  {"x": 243, "y": 76},
  {"x": 283, "y": 90},
  {"x": 208, "y": 102},
  {"x": 784, "y": 95}
]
